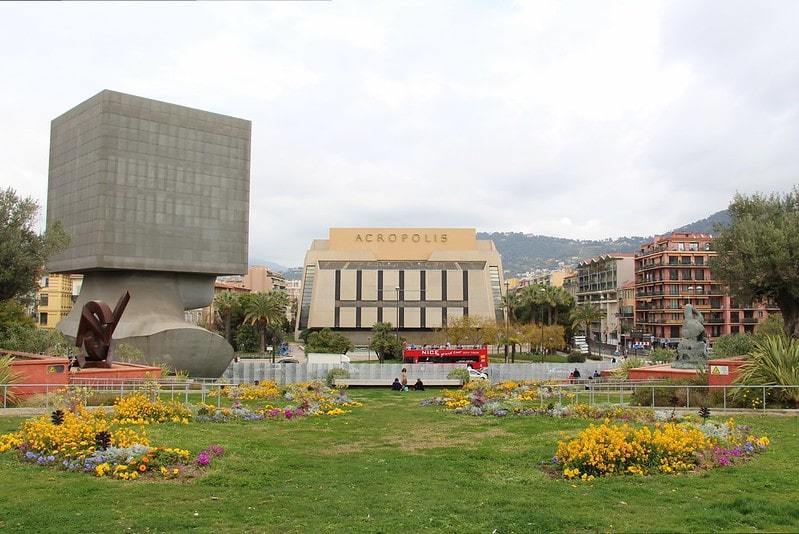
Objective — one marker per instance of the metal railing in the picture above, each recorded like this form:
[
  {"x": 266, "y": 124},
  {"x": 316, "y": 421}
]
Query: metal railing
[
  {"x": 684, "y": 396},
  {"x": 596, "y": 392},
  {"x": 102, "y": 392}
]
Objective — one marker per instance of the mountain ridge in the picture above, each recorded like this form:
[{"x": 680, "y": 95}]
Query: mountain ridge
[{"x": 525, "y": 253}]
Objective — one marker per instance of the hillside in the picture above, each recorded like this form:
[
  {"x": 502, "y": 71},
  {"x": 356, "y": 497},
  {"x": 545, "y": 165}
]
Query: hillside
[{"x": 526, "y": 252}]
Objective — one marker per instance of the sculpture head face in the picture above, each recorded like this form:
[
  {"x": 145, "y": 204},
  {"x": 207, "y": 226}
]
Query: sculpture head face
[{"x": 196, "y": 290}]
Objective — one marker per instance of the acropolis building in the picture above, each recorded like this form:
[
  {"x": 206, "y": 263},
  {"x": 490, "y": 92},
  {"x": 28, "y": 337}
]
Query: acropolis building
[{"x": 416, "y": 278}]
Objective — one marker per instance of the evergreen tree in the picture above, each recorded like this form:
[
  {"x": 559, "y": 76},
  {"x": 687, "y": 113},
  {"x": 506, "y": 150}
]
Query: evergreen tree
[{"x": 758, "y": 253}]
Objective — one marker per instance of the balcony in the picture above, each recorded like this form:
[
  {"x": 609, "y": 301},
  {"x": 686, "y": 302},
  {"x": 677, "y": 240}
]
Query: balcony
[{"x": 749, "y": 320}]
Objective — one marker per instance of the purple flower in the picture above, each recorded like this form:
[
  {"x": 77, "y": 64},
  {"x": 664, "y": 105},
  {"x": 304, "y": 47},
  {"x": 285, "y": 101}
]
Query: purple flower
[
  {"x": 203, "y": 459},
  {"x": 288, "y": 414},
  {"x": 51, "y": 458},
  {"x": 29, "y": 455},
  {"x": 215, "y": 450},
  {"x": 724, "y": 461}
]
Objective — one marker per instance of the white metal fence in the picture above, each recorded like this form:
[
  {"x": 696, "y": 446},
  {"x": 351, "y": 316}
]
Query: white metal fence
[{"x": 251, "y": 370}]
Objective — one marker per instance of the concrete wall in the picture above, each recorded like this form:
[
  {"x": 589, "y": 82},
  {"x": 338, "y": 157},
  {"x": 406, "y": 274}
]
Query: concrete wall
[
  {"x": 145, "y": 185},
  {"x": 250, "y": 370}
]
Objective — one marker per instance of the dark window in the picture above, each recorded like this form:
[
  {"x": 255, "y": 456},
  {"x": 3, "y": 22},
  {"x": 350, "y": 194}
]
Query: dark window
[
  {"x": 44, "y": 299},
  {"x": 43, "y": 318}
]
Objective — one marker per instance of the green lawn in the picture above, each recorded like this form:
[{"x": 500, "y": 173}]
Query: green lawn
[{"x": 394, "y": 466}]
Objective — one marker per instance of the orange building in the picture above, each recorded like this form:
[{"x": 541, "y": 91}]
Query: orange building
[{"x": 672, "y": 271}]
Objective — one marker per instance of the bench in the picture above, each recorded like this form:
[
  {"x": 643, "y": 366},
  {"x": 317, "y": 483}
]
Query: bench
[{"x": 386, "y": 382}]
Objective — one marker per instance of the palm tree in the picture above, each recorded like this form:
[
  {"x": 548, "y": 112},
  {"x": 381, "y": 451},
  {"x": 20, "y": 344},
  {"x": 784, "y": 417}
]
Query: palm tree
[
  {"x": 264, "y": 309},
  {"x": 532, "y": 299},
  {"x": 584, "y": 315},
  {"x": 562, "y": 299},
  {"x": 226, "y": 303},
  {"x": 510, "y": 301}
]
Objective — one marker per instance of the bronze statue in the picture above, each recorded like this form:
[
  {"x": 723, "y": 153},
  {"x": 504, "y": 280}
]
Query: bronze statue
[
  {"x": 692, "y": 349},
  {"x": 96, "y": 327}
]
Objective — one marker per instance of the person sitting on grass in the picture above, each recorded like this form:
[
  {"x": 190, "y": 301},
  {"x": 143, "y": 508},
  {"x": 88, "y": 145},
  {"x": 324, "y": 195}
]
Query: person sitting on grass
[
  {"x": 418, "y": 386},
  {"x": 396, "y": 386}
]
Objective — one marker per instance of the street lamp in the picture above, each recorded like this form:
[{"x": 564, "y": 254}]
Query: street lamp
[
  {"x": 507, "y": 318},
  {"x": 397, "y": 290},
  {"x": 542, "y": 328}
]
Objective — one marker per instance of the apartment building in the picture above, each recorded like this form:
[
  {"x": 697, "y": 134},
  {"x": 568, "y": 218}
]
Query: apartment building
[
  {"x": 55, "y": 297},
  {"x": 672, "y": 271},
  {"x": 599, "y": 282}
]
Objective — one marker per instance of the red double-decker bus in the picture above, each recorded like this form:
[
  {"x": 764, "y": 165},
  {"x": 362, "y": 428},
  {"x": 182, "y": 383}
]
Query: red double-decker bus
[{"x": 476, "y": 357}]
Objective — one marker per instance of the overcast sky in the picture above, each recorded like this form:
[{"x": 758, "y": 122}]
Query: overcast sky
[{"x": 575, "y": 119}]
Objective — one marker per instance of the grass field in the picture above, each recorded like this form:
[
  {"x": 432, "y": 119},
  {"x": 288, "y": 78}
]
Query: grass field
[
  {"x": 528, "y": 357},
  {"x": 393, "y": 466}
]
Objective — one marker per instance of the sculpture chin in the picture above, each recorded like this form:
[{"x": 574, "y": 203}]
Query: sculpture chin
[{"x": 154, "y": 319}]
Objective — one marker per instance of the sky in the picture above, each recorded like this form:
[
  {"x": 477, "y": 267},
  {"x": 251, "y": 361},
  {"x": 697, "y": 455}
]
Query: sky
[{"x": 580, "y": 119}]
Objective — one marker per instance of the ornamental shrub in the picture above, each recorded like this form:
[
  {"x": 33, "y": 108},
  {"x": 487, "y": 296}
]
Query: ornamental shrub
[
  {"x": 459, "y": 374},
  {"x": 575, "y": 356},
  {"x": 336, "y": 372}
]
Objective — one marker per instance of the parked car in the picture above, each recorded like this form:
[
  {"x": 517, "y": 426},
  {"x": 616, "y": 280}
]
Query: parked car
[{"x": 288, "y": 360}]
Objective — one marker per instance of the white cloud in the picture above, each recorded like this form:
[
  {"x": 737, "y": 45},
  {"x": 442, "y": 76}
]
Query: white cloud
[{"x": 577, "y": 119}]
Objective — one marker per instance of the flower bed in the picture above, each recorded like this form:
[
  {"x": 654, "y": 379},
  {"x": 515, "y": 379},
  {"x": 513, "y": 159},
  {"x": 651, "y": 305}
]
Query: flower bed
[
  {"x": 264, "y": 389},
  {"x": 90, "y": 442},
  {"x": 665, "y": 448},
  {"x": 139, "y": 409}
]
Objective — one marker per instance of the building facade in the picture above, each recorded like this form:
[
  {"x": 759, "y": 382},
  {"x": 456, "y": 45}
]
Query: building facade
[
  {"x": 570, "y": 285},
  {"x": 672, "y": 271},
  {"x": 261, "y": 280},
  {"x": 417, "y": 279},
  {"x": 626, "y": 313},
  {"x": 54, "y": 299},
  {"x": 599, "y": 281},
  {"x": 552, "y": 278}
]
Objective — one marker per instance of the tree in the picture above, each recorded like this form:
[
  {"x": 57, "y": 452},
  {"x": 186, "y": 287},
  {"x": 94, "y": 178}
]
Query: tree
[
  {"x": 385, "y": 342},
  {"x": 584, "y": 315},
  {"x": 564, "y": 301},
  {"x": 738, "y": 344},
  {"x": 326, "y": 340},
  {"x": 758, "y": 252},
  {"x": 263, "y": 310},
  {"x": 471, "y": 330},
  {"x": 533, "y": 301},
  {"x": 23, "y": 252},
  {"x": 226, "y": 303},
  {"x": 247, "y": 338},
  {"x": 773, "y": 325},
  {"x": 510, "y": 301}
]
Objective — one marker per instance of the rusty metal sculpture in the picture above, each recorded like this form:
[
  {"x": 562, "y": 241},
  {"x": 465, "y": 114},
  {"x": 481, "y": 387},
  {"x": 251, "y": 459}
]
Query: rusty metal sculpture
[{"x": 97, "y": 325}]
